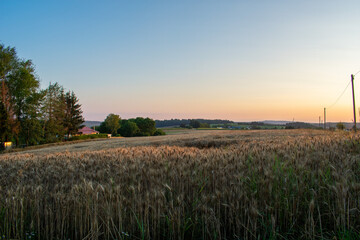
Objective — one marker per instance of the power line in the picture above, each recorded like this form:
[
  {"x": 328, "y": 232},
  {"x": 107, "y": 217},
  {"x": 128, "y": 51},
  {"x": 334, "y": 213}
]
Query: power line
[
  {"x": 340, "y": 95},
  {"x": 357, "y": 73}
]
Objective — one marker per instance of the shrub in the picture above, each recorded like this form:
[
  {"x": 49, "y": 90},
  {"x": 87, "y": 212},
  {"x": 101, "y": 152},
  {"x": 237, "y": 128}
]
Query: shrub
[
  {"x": 159, "y": 132},
  {"x": 91, "y": 136}
]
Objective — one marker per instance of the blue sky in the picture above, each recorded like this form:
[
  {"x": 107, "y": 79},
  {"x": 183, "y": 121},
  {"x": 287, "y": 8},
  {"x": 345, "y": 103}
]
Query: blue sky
[{"x": 238, "y": 60}]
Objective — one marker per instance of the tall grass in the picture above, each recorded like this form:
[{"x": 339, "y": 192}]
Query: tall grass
[{"x": 271, "y": 188}]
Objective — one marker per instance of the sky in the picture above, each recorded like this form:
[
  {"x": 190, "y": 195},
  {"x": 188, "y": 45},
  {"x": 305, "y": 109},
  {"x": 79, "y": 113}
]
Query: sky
[{"x": 236, "y": 60}]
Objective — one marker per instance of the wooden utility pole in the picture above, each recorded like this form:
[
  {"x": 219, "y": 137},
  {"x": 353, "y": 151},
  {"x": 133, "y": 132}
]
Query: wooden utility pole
[
  {"x": 319, "y": 121},
  {"x": 353, "y": 95},
  {"x": 324, "y": 118}
]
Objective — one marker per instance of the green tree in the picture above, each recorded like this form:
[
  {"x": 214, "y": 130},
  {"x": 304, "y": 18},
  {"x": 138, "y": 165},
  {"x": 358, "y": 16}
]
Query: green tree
[
  {"x": 103, "y": 128},
  {"x": 128, "y": 129},
  {"x": 340, "y": 126},
  {"x": 146, "y": 126},
  {"x": 112, "y": 123},
  {"x": 5, "y": 126},
  {"x": 194, "y": 123},
  {"x": 204, "y": 125},
  {"x": 159, "y": 132},
  {"x": 73, "y": 119},
  {"x": 8, "y": 61},
  {"x": 31, "y": 131},
  {"x": 26, "y": 97},
  {"x": 53, "y": 109}
]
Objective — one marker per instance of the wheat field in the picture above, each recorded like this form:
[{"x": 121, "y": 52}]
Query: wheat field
[{"x": 284, "y": 184}]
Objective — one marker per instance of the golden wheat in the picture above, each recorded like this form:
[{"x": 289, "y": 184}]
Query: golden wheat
[{"x": 268, "y": 185}]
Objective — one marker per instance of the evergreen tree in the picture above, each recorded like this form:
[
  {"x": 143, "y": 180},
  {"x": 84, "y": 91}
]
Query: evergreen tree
[{"x": 73, "y": 114}]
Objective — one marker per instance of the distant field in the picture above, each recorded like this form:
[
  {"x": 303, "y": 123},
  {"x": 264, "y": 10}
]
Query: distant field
[
  {"x": 175, "y": 136},
  {"x": 262, "y": 184}
]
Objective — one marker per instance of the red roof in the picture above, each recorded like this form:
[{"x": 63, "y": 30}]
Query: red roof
[{"x": 87, "y": 130}]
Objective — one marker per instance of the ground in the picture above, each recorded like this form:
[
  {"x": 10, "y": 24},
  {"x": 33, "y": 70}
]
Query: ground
[
  {"x": 173, "y": 137},
  {"x": 189, "y": 184}
]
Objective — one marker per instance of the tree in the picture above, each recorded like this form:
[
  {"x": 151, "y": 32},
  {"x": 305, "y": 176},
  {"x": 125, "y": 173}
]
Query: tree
[
  {"x": 5, "y": 127},
  {"x": 53, "y": 109},
  {"x": 340, "y": 126},
  {"x": 146, "y": 126},
  {"x": 128, "y": 129},
  {"x": 7, "y": 60},
  {"x": 103, "y": 128},
  {"x": 159, "y": 132},
  {"x": 31, "y": 131},
  {"x": 25, "y": 98},
  {"x": 204, "y": 125},
  {"x": 194, "y": 123},
  {"x": 112, "y": 123},
  {"x": 73, "y": 114}
]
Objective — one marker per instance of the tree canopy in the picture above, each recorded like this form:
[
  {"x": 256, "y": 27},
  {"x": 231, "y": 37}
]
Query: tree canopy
[{"x": 28, "y": 114}]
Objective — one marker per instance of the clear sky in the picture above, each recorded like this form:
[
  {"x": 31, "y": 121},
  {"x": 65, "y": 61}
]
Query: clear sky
[{"x": 237, "y": 60}]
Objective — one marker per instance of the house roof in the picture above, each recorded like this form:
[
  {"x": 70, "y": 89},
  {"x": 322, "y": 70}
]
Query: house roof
[{"x": 87, "y": 130}]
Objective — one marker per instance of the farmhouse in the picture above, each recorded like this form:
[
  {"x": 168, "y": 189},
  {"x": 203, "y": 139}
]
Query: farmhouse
[{"x": 87, "y": 131}]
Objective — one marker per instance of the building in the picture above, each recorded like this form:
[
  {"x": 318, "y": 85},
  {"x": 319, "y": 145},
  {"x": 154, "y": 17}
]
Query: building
[{"x": 87, "y": 131}]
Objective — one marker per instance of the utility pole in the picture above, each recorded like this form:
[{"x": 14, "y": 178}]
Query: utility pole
[
  {"x": 319, "y": 121},
  {"x": 353, "y": 95},
  {"x": 324, "y": 118}
]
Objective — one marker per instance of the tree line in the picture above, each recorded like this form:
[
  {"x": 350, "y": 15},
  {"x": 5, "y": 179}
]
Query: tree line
[
  {"x": 139, "y": 126},
  {"x": 30, "y": 115},
  {"x": 189, "y": 122}
]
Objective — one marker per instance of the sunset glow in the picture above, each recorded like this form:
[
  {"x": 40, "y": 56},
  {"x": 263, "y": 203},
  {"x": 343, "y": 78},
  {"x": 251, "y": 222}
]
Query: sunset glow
[{"x": 231, "y": 60}]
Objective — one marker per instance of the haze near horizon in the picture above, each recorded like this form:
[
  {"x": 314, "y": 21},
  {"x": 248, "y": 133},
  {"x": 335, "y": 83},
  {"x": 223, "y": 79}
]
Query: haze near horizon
[{"x": 241, "y": 61}]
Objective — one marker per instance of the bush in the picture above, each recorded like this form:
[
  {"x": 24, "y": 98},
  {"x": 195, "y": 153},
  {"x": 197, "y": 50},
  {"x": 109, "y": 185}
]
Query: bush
[
  {"x": 159, "y": 132},
  {"x": 128, "y": 129},
  {"x": 91, "y": 136}
]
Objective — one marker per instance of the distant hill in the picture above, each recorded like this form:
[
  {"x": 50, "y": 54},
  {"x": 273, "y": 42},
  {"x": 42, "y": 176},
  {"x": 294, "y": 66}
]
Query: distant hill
[
  {"x": 348, "y": 125},
  {"x": 177, "y": 122},
  {"x": 91, "y": 123},
  {"x": 296, "y": 125},
  {"x": 274, "y": 122}
]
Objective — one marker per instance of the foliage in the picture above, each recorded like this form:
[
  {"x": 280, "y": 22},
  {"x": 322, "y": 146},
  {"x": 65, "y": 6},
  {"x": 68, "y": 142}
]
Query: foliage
[
  {"x": 73, "y": 119},
  {"x": 340, "y": 126},
  {"x": 26, "y": 97},
  {"x": 54, "y": 113},
  {"x": 5, "y": 127},
  {"x": 29, "y": 115},
  {"x": 298, "y": 125},
  {"x": 146, "y": 126},
  {"x": 89, "y": 136},
  {"x": 159, "y": 132},
  {"x": 184, "y": 122},
  {"x": 8, "y": 59},
  {"x": 284, "y": 186},
  {"x": 112, "y": 123},
  {"x": 128, "y": 129},
  {"x": 204, "y": 125},
  {"x": 194, "y": 123},
  {"x": 103, "y": 128}
]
